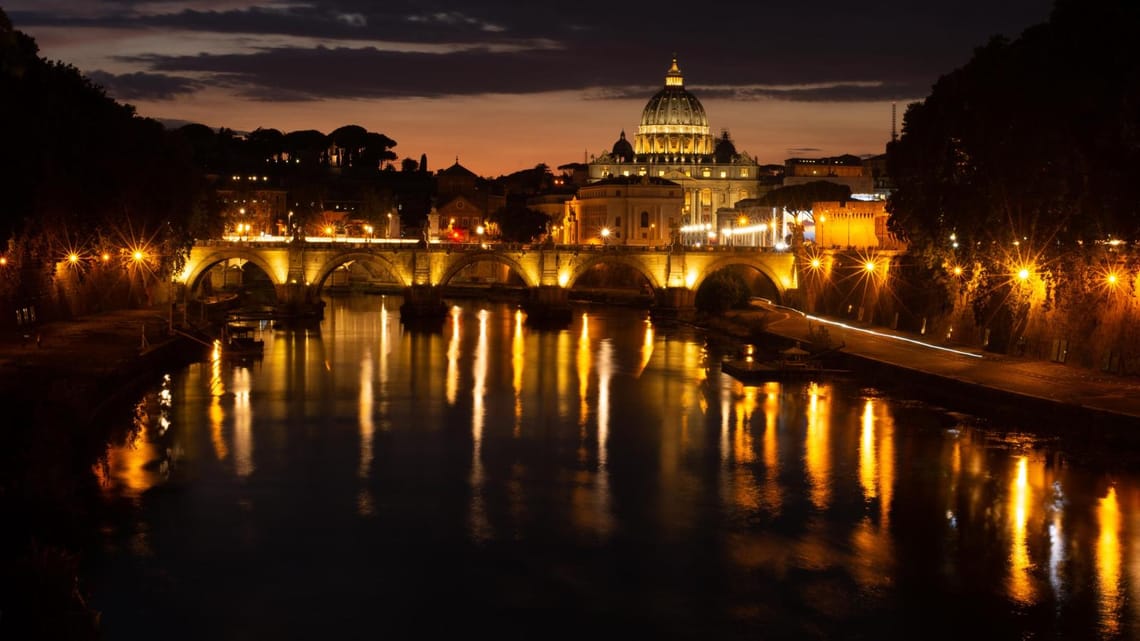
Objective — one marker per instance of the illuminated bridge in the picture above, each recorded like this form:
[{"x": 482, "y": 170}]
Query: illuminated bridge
[{"x": 299, "y": 270}]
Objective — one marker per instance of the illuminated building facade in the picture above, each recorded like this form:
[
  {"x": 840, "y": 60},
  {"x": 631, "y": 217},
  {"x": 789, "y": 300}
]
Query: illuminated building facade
[
  {"x": 463, "y": 203},
  {"x": 674, "y": 143},
  {"x": 253, "y": 208},
  {"x": 623, "y": 210},
  {"x": 843, "y": 170},
  {"x": 854, "y": 224}
]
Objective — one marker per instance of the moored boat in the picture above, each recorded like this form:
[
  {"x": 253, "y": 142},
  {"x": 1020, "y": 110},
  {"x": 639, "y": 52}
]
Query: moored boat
[{"x": 790, "y": 364}]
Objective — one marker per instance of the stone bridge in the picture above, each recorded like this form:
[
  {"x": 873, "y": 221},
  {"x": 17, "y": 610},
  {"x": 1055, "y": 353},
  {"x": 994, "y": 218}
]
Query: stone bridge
[{"x": 299, "y": 269}]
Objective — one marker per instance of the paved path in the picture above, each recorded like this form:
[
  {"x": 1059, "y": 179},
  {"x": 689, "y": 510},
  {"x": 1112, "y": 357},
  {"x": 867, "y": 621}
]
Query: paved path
[
  {"x": 1073, "y": 386},
  {"x": 93, "y": 345}
]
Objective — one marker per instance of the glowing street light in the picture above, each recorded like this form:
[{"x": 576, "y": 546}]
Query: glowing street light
[
  {"x": 605, "y": 234},
  {"x": 1023, "y": 274},
  {"x": 368, "y": 230},
  {"x": 869, "y": 266}
]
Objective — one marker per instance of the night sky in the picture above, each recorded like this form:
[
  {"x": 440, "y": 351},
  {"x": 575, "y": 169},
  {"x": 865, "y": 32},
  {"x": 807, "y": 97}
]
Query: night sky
[{"x": 504, "y": 85}]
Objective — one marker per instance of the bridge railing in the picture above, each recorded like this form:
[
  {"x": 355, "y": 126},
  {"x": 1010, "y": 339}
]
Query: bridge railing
[{"x": 405, "y": 244}]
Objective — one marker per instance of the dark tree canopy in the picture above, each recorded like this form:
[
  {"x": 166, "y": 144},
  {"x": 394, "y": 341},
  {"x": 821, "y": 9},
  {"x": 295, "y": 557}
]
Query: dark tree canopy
[
  {"x": 1035, "y": 140},
  {"x": 87, "y": 166},
  {"x": 517, "y": 223},
  {"x": 799, "y": 198}
]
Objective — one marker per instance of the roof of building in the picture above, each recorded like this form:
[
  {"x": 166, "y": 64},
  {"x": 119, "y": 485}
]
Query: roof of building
[
  {"x": 457, "y": 170},
  {"x": 622, "y": 149},
  {"x": 633, "y": 180}
]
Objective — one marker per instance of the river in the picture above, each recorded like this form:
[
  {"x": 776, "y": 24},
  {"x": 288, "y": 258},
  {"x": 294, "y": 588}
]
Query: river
[{"x": 367, "y": 480}]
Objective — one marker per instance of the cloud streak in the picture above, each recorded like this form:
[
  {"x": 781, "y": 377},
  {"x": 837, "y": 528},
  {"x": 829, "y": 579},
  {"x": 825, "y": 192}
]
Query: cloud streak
[{"x": 831, "y": 50}]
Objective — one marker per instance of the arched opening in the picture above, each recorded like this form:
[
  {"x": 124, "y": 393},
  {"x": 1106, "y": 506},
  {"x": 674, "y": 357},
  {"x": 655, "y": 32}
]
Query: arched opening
[
  {"x": 759, "y": 284},
  {"x": 231, "y": 283},
  {"x": 489, "y": 278},
  {"x": 612, "y": 283},
  {"x": 360, "y": 276}
]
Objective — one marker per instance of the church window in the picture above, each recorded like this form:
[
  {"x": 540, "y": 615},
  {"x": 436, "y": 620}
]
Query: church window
[
  {"x": 743, "y": 173},
  {"x": 723, "y": 174},
  {"x": 644, "y": 219},
  {"x": 617, "y": 221}
]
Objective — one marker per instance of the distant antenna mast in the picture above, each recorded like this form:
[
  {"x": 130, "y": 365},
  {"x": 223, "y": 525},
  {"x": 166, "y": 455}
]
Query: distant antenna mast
[{"x": 894, "y": 119}]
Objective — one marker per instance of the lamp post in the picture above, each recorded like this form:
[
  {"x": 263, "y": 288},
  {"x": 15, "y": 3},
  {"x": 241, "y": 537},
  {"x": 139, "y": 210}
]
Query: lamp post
[
  {"x": 368, "y": 230},
  {"x": 605, "y": 235},
  {"x": 479, "y": 231}
]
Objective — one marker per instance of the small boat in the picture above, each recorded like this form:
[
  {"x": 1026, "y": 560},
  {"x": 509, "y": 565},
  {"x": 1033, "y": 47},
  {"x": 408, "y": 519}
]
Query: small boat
[
  {"x": 238, "y": 341},
  {"x": 791, "y": 364}
]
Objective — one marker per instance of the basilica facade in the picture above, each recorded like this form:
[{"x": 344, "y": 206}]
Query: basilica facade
[{"x": 674, "y": 143}]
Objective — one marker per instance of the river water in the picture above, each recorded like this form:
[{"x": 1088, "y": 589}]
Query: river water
[{"x": 367, "y": 480}]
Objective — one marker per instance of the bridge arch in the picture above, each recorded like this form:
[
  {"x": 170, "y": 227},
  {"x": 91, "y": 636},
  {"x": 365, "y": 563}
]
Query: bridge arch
[
  {"x": 759, "y": 267},
  {"x": 632, "y": 261},
  {"x": 198, "y": 268},
  {"x": 336, "y": 261},
  {"x": 470, "y": 258}
]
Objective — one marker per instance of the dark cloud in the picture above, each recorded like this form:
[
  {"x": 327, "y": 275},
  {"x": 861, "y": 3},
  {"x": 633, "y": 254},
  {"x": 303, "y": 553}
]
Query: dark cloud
[
  {"x": 144, "y": 86},
  {"x": 826, "y": 50}
]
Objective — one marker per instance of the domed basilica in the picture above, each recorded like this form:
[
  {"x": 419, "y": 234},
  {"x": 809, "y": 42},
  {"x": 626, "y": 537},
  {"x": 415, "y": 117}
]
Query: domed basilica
[{"x": 673, "y": 143}]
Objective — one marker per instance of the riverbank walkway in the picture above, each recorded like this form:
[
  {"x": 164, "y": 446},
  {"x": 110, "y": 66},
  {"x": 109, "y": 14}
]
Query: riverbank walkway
[
  {"x": 89, "y": 346},
  {"x": 1102, "y": 393}
]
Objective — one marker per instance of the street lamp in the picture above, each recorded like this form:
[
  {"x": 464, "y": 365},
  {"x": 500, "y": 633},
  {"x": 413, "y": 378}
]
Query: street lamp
[
  {"x": 368, "y": 230},
  {"x": 479, "y": 231},
  {"x": 605, "y": 235}
]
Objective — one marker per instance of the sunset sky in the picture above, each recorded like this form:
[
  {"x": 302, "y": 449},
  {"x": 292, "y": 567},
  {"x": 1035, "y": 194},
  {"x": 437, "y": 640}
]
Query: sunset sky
[{"x": 505, "y": 85}]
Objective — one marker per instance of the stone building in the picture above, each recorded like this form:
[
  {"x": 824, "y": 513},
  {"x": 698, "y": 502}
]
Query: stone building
[
  {"x": 623, "y": 210},
  {"x": 854, "y": 224}
]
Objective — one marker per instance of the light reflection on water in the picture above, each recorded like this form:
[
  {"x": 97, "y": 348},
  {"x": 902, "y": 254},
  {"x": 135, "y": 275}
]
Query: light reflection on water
[{"x": 605, "y": 472}]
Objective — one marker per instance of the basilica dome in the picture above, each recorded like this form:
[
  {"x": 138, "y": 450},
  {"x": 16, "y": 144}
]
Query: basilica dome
[
  {"x": 674, "y": 127},
  {"x": 622, "y": 151}
]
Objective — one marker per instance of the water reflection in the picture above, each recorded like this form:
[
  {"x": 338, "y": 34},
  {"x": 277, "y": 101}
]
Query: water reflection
[
  {"x": 1021, "y": 587},
  {"x": 480, "y": 525},
  {"x": 1108, "y": 563},
  {"x": 243, "y": 421},
  {"x": 817, "y": 446},
  {"x": 576, "y": 469},
  {"x": 772, "y": 495}
]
